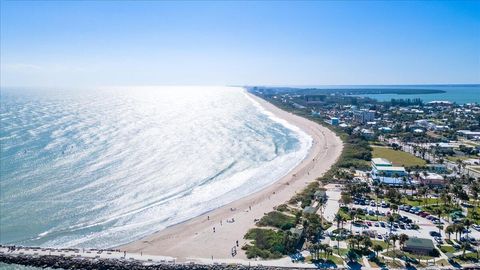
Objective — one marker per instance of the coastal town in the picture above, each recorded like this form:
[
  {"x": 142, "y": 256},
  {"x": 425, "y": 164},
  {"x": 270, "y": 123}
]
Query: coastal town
[
  {"x": 404, "y": 193},
  {"x": 401, "y": 191}
]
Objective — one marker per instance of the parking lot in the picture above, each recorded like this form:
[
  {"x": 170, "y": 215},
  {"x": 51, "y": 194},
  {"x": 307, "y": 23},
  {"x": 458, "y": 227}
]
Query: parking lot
[{"x": 382, "y": 228}]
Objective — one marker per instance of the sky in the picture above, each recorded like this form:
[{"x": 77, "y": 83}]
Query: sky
[{"x": 113, "y": 43}]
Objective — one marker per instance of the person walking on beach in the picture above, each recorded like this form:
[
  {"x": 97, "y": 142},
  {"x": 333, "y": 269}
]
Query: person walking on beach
[{"x": 213, "y": 229}]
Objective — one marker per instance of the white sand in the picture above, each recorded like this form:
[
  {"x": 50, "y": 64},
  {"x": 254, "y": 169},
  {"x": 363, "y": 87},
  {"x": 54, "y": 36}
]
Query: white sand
[{"x": 195, "y": 238}]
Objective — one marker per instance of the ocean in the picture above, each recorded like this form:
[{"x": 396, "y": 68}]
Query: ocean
[
  {"x": 98, "y": 168},
  {"x": 459, "y": 94}
]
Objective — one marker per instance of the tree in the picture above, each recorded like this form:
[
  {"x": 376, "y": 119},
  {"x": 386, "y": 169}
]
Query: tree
[
  {"x": 459, "y": 230},
  {"x": 391, "y": 219},
  {"x": 377, "y": 248},
  {"x": 367, "y": 242},
  {"x": 467, "y": 223},
  {"x": 394, "y": 239},
  {"x": 449, "y": 230},
  {"x": 352, "y": 255},
  {"x": 339, "y": 219},
  {"x": 465, "y": 245},
  {"x": 402, "y": 239}
]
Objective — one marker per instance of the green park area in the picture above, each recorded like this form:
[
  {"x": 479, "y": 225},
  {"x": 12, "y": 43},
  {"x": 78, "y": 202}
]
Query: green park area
[{"x": 398, "y": 158}]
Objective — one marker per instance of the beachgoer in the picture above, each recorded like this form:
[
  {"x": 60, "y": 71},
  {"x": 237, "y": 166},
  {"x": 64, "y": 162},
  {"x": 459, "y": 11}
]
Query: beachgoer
[
  {"x": 208, "y": 217},
  {"x": 213, "y": 229},
  {"x": 237, "y": 243}
]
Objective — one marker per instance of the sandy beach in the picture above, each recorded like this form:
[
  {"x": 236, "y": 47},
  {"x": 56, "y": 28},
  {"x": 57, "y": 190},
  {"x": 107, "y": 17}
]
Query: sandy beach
[{"x": 196, "y": 238}]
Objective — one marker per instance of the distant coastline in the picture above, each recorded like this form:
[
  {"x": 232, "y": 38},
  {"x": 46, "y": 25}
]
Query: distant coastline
[{"x": 457, "y": 93}]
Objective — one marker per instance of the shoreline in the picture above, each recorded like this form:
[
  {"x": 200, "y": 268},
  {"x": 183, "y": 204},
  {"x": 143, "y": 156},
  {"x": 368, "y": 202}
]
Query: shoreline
[{"x": 195, "y": 239}]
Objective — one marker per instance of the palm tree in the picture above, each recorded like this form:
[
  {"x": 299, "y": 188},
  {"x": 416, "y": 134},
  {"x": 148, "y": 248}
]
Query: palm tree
[
  {"x": 459, "y": 230},
  {"x": 391, "y": 219},
  {"x": 402, "y": 239},
  {"x": 467, "y": 223},
  {"x": 338, "y": 218},
  {"x": 449, "y": 230},
  {"x": 438, "y": 212},
  {"x": 394, "y": 239},
  {"x": 465, "y": 245},
  {"x": 377, "y": 248},
  {"x": 367, "y": 242},
  {"x": 394, "y": 207}
]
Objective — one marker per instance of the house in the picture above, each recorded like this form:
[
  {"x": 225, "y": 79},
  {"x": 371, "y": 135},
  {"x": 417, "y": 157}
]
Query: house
[
  {"x": 421, "y": 246},
  {"x": 432, "y": 179},
  {"x": 297, "y": 234},
  {"x": 309, "y": 210},
  {"x": 320, "y": 196},
  {"x": 367, "y": 134}
]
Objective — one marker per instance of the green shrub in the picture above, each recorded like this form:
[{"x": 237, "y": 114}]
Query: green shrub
[
  {"x": 278, "y": 220},
  {"x": 267, "y": 243}
]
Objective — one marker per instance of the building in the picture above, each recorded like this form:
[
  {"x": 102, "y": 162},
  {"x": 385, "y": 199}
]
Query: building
[
  {"x": 432, "y": 179},
  {"x": 421, "y": 246},
  {"x": 364, "y": 116},
  {"x": 309, "y": 210},
  {"x": 383, "y": 171},
  {"x": 297, "y": 234},
  {"x": 334, "y": 121},
  {"x": 367, "y": 133},
  {"x": 385, "y": 129},
  {"x": 320, "y": 196},
  {"x": 469, "y": 134}
]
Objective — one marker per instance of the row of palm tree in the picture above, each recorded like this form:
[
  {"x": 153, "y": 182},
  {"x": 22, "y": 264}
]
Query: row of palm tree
[{"x": 316, "y": 248}]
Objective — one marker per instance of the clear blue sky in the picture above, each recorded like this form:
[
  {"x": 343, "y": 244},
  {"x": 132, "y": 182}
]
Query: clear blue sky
[{"x": 74, "y": 43}]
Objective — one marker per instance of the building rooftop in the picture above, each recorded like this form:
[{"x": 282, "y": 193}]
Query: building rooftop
[
  {"x": 423, "y": 243},
  {"x": 431, "y": 176},
  {"x": 390, "y": 169},
  {"x": 381, "y": 162},
  {"x": 309, "y": 210}
]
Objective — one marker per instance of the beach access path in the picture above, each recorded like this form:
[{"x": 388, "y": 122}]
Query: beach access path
[{"x": 195, "y": 239}]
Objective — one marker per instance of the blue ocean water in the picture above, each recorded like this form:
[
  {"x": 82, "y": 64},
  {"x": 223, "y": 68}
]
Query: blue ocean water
[
  {"x": 460, "y": 94},
  {"x": 100, "y": 168}
]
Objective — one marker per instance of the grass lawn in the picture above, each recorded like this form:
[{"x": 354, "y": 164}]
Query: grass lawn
[
  {"x": 343, "y": 251},
  {"x": 445, "y": 208},
  {"x": 399, "y": 254},
  {"x": 336, "y": 260},
  {"x": 398, "y": 158},
  {"x": 454, "y": 159},
  {"x": 420, "y": 201},
  {"x": 469, "y": 256},
  {"x": 473, "y": 214},
  {"x": 447, "y": 249},
  {"x": 377, "y": 262},
  {"x": 381, "y": 243}
]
